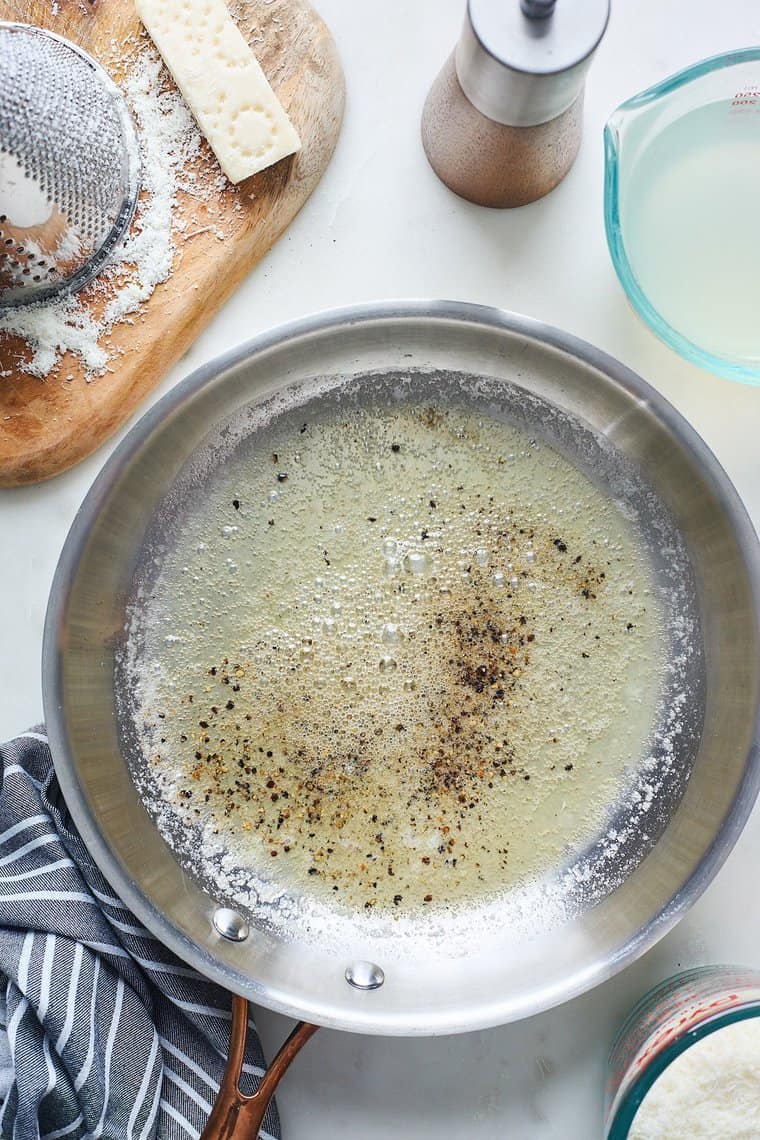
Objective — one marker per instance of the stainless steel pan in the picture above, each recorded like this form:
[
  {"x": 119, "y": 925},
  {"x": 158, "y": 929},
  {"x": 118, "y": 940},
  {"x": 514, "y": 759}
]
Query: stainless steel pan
[{"x": 427, "y": 990}]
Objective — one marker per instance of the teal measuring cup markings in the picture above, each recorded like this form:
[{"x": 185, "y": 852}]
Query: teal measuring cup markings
[{"x": 682, "y": 210}]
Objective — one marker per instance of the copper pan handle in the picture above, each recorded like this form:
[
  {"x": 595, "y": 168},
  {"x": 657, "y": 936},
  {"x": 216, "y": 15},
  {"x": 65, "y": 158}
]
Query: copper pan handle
[{"x": 236, "y": 1116}]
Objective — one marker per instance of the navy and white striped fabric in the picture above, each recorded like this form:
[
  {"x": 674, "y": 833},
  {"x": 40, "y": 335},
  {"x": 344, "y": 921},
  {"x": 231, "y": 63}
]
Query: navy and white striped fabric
[{"x": 109, "y": 1034}]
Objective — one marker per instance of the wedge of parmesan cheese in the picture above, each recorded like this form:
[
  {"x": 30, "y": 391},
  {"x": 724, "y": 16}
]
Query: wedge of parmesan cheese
[{"x": 222, "y": 83}]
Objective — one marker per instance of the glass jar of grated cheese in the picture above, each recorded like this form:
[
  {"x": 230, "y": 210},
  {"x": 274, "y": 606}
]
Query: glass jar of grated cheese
[{"x": 700, "y": 1032}]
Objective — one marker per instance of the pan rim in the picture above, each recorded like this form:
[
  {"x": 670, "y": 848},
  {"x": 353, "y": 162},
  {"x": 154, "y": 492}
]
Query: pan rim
[{"x": 595, "y": 972}]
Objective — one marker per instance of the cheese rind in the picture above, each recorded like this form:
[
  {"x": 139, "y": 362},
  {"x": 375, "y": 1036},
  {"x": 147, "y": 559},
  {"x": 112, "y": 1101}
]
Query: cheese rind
[{"x": 222, "y": 83}]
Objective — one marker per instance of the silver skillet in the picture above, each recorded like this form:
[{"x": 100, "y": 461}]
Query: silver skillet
[{"x": 421, "y": 993}]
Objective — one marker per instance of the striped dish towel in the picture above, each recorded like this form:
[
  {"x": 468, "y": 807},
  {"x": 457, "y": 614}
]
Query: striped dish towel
[{"x": 109, "y": 1034}]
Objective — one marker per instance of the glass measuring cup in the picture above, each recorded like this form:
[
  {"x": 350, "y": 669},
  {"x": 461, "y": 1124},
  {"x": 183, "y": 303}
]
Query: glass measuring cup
[
  {"x": 666, "y": 1022},
  {"x": 682, "y": 187}
]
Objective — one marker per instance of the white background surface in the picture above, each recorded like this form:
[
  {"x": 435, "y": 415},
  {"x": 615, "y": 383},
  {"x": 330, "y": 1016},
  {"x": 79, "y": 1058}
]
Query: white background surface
[{"x": 380, "y": 225}]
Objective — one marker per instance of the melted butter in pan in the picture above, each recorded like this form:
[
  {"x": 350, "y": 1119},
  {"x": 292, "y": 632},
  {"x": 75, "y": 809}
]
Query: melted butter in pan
[{"x": 401, "y": 659}]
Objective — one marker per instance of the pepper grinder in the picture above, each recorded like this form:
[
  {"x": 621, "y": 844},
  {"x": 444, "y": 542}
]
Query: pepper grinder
[{"x": 502, "y": 122}]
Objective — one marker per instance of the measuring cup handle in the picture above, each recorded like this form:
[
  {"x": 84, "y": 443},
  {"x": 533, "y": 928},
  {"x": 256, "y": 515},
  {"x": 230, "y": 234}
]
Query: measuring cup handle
[{"x": 236, "y": 1116}]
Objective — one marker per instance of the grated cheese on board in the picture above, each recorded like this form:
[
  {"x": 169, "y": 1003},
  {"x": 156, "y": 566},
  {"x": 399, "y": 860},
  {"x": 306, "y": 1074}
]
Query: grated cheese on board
[{"x": 170, "y": 146}]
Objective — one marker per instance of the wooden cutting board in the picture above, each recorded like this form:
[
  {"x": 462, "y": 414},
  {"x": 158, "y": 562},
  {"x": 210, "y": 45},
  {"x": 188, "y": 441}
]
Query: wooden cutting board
[{"x": 48, "y": 425}]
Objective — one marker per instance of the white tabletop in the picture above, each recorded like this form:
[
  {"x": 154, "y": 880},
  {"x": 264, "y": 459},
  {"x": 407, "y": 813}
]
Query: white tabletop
[{"x": 381, "y": 226}]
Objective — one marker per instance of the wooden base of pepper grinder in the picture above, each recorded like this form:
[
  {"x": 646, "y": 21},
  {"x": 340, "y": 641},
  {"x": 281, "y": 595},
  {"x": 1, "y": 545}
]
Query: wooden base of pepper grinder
[{"x": 490, "y": 163}]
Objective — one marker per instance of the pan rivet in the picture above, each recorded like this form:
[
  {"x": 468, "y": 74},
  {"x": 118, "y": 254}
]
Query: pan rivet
[
  {"x": 364, "y": 975},
  {"x": 230, "y": 924}
]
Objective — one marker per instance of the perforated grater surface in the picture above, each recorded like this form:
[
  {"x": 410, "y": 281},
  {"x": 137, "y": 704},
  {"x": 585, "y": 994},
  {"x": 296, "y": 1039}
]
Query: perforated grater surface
[{"x": 69, "y": 166}]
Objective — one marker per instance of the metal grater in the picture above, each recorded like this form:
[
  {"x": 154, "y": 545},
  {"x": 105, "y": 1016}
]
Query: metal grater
[{"x": 69, "y": 166}]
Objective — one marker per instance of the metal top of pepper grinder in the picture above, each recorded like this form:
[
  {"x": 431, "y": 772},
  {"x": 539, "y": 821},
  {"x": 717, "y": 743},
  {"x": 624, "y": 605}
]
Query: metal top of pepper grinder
[{"x": 523, "y": 62}]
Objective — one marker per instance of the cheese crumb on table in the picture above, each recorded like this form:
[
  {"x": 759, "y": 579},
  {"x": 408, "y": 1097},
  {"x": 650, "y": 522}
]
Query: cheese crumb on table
[
  {"x": 222, "y": 83},
  {"x": 710, "y": 1092}
]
